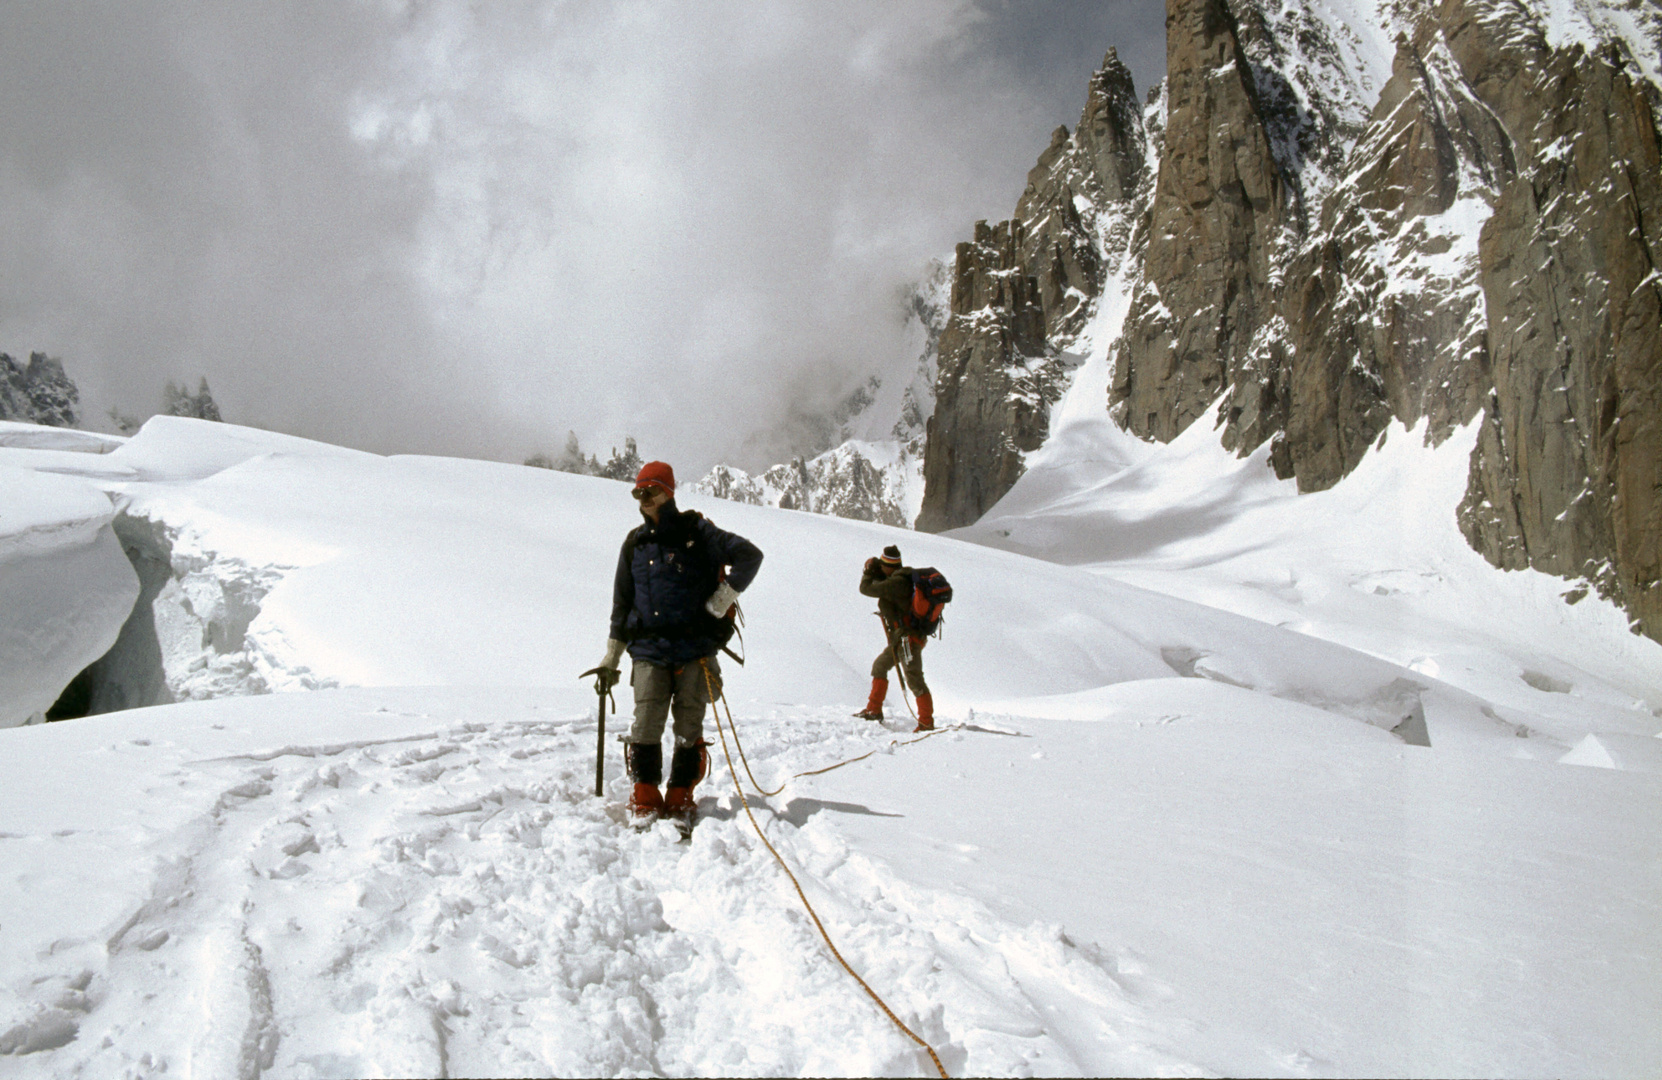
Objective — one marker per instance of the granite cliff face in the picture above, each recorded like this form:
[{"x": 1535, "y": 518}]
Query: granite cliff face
[
  {"x": 1463, "y": 224},
  {"x": 1216, "y": 226},
  {"x": 1381, "y": 307},
  {"x": 999, "y": 376},
  {"x": 1022, "y": 291},
  {"x": 37, "y": 393},
  {"x": 1316, "y": 261},
  {"x": 1567, "y": 475}
]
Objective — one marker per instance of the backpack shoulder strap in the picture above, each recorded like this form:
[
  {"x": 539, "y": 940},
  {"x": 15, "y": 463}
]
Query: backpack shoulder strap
[
  {"x": 629, "y": 543},
  {"x": 701, "y": 543}
]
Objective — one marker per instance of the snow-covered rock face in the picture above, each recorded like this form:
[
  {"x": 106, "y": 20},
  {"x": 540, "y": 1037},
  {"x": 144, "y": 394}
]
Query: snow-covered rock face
[
  {"x": 1221, "y": 208},
  {"x": 1567, "y": 476},
  {"x": 1364, "y": 214},
  {"x": 1022, "y": 292},
  {"x": 1393, "y": 323},
  {"x": 862, "y": 481}
]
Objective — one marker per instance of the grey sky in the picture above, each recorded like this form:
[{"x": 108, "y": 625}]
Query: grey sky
[{"x": 445, "y": 227}]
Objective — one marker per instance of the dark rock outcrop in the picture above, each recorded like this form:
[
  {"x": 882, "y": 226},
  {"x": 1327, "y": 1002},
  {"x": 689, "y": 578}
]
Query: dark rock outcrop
[
  {"x": 1382, "y": 308},
  {"x": 998, "y": 379},
  {"x": 39, "y": 393},
  {"x": 1549, "y": 326}
]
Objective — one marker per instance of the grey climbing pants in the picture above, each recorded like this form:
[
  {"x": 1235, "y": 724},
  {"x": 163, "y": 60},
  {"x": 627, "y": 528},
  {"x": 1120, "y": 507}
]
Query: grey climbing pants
[{"x": 661, "y": 692}]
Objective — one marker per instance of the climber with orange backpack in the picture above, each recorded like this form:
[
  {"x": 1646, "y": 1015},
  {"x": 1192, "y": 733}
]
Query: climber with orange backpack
[{"x": 909, "y": 601}]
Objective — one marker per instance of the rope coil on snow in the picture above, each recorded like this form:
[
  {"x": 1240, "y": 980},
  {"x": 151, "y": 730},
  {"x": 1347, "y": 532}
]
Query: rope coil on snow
[
  {"x": 811, "y": 772},
  {"x": 864, "y": 756},
  {"x": 812, "y": 914}
]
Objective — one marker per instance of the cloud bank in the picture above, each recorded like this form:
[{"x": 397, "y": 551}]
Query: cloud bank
[{"x": 446, "y": 227}]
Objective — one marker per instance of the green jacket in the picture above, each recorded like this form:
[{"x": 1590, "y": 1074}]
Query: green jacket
[{"x": 893, "y": 593}]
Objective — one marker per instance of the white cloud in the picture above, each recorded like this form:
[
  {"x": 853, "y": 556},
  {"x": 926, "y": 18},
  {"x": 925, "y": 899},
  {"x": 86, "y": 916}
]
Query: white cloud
[{"x": 464, "y": 228}]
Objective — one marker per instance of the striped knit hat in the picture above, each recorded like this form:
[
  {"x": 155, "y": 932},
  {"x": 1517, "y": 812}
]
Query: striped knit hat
[{"x": 891, "y": 556}]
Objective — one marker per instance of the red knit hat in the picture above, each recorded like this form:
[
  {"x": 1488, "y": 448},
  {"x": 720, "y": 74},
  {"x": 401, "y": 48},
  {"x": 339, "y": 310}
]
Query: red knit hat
[{"x": 656, "y": 474}]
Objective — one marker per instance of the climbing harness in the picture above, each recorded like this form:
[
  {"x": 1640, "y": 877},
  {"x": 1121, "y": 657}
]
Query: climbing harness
[{"x": 812, "y": 914}]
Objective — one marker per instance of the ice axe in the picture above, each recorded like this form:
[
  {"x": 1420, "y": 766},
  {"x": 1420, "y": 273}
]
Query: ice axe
[{"x": 604, "y": 679}]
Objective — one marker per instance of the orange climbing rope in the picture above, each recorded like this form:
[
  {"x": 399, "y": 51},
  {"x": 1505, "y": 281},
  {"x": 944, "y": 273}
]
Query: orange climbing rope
[
  {"x": 722, "y": 694},
  {"x": 934, "y": 1057},
  {"x": 864, "y": 756}
]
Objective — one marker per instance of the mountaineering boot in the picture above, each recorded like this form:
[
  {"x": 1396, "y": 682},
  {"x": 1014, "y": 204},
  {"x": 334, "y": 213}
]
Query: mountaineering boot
[
  {"x": 645, "y": 762},
  {"x": 686, "y": 769},
  {"x": 645, "y": 804},
  {"x": 874, "y": 704},
  {"x": 681, "y": 808},
  {"x": 926, "y": 712}
]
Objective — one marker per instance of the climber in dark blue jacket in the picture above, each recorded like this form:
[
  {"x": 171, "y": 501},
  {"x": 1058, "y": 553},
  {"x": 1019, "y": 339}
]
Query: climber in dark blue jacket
[{"x": 677, "y": 578}]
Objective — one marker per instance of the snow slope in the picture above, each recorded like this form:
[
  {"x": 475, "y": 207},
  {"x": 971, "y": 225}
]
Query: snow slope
[
  {"x": 1163, "y": 836},
  {"x": 1376, "y": 564}
]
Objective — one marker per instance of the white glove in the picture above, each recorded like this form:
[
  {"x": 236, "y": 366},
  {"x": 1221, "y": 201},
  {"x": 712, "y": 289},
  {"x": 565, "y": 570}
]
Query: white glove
[
  {"x": 606, "y": 673},
  {"x": 721, "y": 600}
]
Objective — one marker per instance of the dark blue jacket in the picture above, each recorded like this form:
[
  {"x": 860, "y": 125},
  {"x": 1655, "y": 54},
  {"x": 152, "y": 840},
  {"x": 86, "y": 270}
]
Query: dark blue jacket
[{"x": 665, "y": 573}]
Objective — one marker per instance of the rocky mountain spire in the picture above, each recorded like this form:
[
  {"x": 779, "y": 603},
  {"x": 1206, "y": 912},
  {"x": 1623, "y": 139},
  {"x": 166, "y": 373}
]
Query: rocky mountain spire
[
  {"x": 1382, "y": 304},
  {"x": 38, "y": 393},
  {"x": 1567, "y": 474},
  {"x": 1022, "y": 287},
  {"x": 1219, "y": 214}
]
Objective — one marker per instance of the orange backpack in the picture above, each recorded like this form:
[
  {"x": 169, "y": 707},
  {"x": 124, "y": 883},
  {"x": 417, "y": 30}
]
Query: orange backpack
[{"x": 930, "y": 595}]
